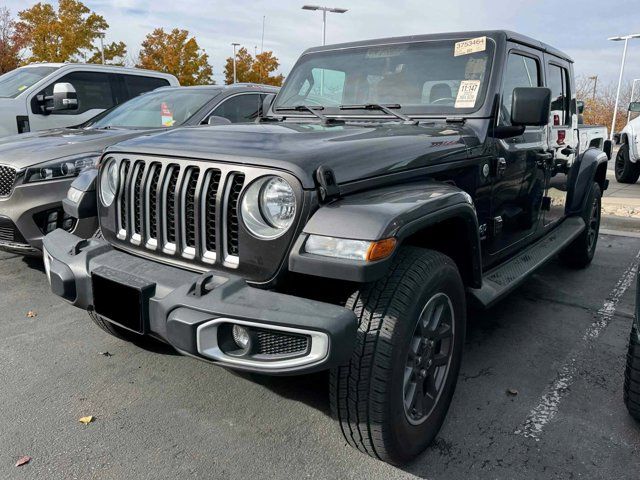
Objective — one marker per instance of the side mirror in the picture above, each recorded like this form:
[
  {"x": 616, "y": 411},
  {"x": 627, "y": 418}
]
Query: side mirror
[
  {"x": 216, "y": 120},
  {"x": 634, "y": 107},
  {"x": 64, "y": 97},
  {"x": 530, "y": 106},
  {"x": 580, "y": 104}
]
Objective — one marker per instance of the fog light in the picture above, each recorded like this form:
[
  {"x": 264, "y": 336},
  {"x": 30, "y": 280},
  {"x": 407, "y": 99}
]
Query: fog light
[{"x": 241, "y": 336}]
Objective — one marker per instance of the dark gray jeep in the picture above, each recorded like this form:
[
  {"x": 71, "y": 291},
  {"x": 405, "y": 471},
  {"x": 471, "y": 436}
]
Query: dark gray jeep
[{"x": 390, "y": 182}]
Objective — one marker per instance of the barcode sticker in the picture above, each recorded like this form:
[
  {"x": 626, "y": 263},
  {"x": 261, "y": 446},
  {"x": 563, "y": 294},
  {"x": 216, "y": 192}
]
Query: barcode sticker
[
  {"x": 467, "y": 94},
  {"x": 473, "y": 45}
]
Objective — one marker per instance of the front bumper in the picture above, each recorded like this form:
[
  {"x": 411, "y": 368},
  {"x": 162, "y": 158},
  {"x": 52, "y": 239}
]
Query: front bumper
[
  {"x": 185, "y": 308},
  {"x": 24, "y": 205}
]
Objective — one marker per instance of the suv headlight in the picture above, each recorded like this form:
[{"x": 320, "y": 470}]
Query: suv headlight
[
  {"x": 268, "y": 207},
  {"x": 61, "y": 168},
  {"x": 109, "y": 179}
]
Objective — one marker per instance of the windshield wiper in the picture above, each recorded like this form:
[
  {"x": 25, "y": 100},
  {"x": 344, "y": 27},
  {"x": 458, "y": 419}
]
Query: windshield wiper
[
  {"x": 382, "y": 108},
  {"x": 313, "y": 110}
]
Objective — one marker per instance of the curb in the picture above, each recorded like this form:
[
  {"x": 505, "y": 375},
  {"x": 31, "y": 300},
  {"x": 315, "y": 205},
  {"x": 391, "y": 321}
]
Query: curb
[{"x": 613, "y": 222}]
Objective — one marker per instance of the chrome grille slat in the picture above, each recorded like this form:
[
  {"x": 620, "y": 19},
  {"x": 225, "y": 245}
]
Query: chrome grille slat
[{"x": 181, "y": 209}]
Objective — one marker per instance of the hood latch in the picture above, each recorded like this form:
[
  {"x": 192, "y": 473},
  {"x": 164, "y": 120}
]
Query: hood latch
[{"x": 327, "y": 186}]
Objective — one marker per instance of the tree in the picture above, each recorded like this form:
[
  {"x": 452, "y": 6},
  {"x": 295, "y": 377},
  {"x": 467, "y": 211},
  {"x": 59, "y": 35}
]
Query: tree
[
  {"x": 599, "y": 107},
  {"x": 65, "y": 35},
  {"x": 253, "y": 70},
  {"x": 176, "y": 53},
  {"x": 10, "y": 45},
  {"x": 114, "y": 54}
]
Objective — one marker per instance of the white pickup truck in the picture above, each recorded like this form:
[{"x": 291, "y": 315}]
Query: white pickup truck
[
  {"x": 627, "y": 165},
  {"x": 27, "y": 93},
  {"x": 592, "y": 135}
]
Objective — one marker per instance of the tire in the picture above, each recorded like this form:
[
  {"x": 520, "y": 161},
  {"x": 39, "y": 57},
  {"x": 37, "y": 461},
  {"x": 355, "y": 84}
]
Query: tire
[
  {"x": 632, "y": 375},
  {"x": 580, "y": 252},
  {"x": 626, "y": 171},
  {"x": 370, "y": 396}
]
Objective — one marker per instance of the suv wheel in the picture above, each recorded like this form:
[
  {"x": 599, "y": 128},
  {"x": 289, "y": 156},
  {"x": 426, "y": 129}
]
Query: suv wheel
[
  {"x": 580, "y": 252},
  {"x": 632, "y": 375},
  {"x": 626, "y": 172},
  {"x": 393, "y": 395}
]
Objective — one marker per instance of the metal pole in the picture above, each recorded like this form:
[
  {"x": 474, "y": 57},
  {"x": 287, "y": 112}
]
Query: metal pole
[
  {"x": 262, "y": 42},
  {"x": 102, "y": 47},
  {"x": 595, "y": 87},
  {"x": 633, "y": 90},
  {"x": 615, "y": 108},
  {"x": 324, "y": 27},
  {"x": 235, "y": 78}
]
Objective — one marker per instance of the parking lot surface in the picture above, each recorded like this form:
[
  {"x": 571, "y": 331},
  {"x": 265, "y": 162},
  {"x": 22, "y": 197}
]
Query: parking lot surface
[{"x": 539, "y": 396}]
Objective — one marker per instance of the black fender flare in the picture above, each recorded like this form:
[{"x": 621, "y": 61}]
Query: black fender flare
[
  {"x": 395, "y": 211},
  {"x": 582, "y": 175}
]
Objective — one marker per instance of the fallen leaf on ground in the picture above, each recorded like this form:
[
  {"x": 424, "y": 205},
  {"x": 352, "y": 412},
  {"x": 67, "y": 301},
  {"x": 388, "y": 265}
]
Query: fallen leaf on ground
[
  {"x": 23, "y": 460},
  {"x": 31, "y": 314},
  {"x": 512, "y": 391},
  {"x": 106, "y": 354},
  {"x": 86, "y": 420}
]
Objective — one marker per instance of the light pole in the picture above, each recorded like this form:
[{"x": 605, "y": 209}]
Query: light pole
[
  {"x": 633, "y": 91},
  {"x": 101, "y": 35},
  {"x": 324, "y": 17},
  {"x": 595, "y": 85},
  {"x": 626, "y": 39},
  {"x": 235, "y": 77}
]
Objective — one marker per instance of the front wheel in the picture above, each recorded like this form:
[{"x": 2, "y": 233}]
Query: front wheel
[
  {"x": 626, "y": 171},
  {"x": 632, "y": 375},
  {"x": 393, "y": 395},
  {"x": 580, "y": 252}
]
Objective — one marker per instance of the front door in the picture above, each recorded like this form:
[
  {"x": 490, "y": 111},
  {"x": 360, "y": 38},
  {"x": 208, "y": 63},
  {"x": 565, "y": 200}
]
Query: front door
[
  {"x": 519, "y": 179},
  {"x": 563, "y": 137}
]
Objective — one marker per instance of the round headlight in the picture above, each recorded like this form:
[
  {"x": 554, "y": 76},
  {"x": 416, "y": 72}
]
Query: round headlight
[
  {"x": 269, "y": 207},
  {"x": 109, "y": 182}
]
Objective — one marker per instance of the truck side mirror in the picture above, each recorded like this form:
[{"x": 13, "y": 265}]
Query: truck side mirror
[
  {"x": 634, "y": 107},
  {"x": 64, "y": 97},
  {"x": 580, "y": 105},
  {"x": 530, "y": 106}
]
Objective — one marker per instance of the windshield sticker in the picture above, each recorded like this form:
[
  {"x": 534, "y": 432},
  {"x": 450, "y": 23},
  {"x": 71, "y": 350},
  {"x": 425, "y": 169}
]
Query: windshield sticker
[
  {"x": 386, "y": 52},
  {"x": 167, "y": 116},
  {"x": 23, "y": 87},
  {"x": 467, "y": 94},
  {"x": 474, "y": 45}
]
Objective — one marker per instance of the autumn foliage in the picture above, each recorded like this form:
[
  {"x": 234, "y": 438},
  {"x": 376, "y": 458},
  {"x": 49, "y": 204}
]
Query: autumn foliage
[
  {"x": 251, "y": 69},
  {"x": 174, "y": 52},
  {"x": 66, "y": 35},
  {"x": 10, "y": 45}
]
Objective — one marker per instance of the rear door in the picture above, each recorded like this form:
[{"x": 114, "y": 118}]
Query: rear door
[
  {"x": 519, "y": 181},
  {"x": 563, "y": 136}
]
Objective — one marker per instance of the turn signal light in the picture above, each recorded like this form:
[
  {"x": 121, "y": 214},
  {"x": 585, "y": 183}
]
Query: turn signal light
[{"x": 381, "y": 249}]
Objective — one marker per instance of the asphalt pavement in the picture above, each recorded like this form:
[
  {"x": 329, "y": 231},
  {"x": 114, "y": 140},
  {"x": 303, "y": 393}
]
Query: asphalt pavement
[{"x": 539, "y": 396}]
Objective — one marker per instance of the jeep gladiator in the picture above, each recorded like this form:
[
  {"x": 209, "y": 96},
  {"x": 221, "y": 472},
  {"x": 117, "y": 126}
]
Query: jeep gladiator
[{"x": 390, "y": 182}]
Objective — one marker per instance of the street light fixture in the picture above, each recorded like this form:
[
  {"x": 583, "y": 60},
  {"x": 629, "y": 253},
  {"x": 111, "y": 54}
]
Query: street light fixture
[
  {"x": 626, "y": 39},
  {"x": 235, "y": 76},
  {"x": 324, "y": 17},
  {"x": 102, "y": 35}
]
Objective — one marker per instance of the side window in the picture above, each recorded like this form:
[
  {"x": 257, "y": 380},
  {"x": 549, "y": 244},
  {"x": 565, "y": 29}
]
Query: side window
[
  {"x": 558, "y": 82},
  {"x": 521, "y": 71},
  {"x": 94, "y": 91},
  {"x": 137, "y": 84},
  {"x": 241, "y": 108}
]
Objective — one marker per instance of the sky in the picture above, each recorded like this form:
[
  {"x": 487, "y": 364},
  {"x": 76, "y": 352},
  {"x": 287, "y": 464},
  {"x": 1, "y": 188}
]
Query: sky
[{"x": 580, "y": 28}]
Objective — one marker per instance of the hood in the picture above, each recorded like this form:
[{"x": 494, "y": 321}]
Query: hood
[
  {"x": 352, "y": 151},
  {"x": 28, "y": 149}
]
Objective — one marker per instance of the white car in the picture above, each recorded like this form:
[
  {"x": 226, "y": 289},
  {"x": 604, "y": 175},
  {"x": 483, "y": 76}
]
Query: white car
[
  {"x": 27, "y": 93},
  {"x": 627, "y": 164}
]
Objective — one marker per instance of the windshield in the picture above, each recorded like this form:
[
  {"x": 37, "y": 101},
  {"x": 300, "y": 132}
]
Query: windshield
[
  {"x": 432, "y": 77},
  {"x": 162, "y": 108},
  {"x": 15, "y": 82}
]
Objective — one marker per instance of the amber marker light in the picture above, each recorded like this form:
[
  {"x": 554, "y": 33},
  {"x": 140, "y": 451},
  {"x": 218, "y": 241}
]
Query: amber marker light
[{"x": 381, "y": 249}]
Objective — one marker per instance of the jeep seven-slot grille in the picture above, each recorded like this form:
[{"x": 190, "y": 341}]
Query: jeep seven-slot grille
[
  {"x": 7, "y": 180},
  {"x": 180, "y": 210}
]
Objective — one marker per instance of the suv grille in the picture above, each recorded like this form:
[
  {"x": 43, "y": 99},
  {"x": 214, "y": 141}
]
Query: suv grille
[
  {"x": 176, "y": 208},
  {"x": 7, "y": 180}
]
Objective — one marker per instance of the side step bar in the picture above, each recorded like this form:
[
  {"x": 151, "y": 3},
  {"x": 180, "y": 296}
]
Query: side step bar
[{"x": 496, "y": 283}]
